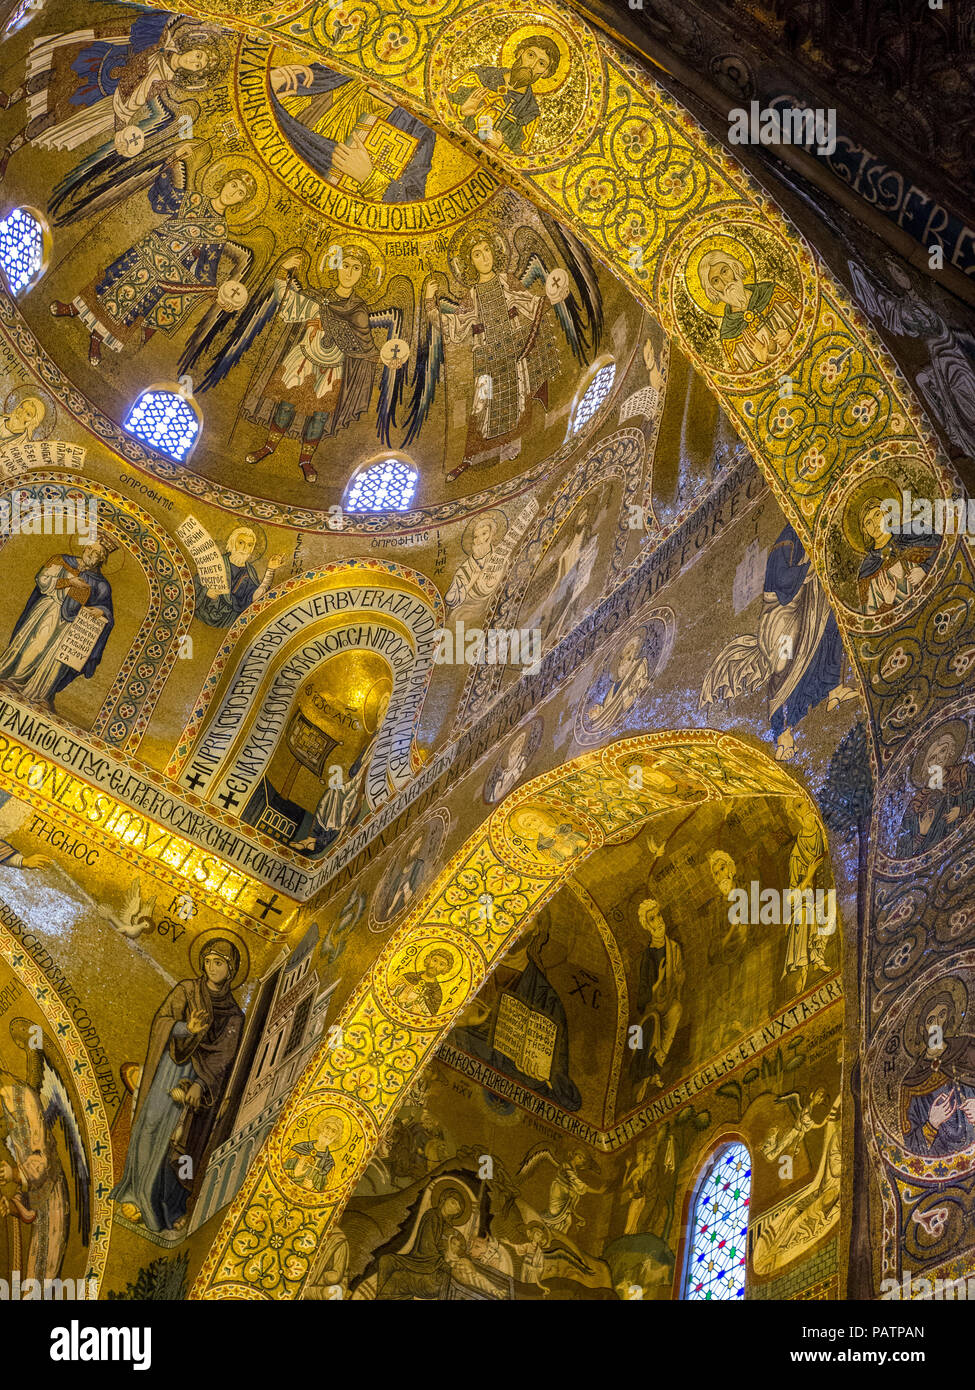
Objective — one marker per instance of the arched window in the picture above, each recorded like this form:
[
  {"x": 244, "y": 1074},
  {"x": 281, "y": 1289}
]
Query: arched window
[
  {"x": 167, "y": 420},
  {"x": 718, "y": 1234},
  {"x": 593, "y": 397},
  {"x": 385, "y": 486},
  {"x": 25, "y": 244}
]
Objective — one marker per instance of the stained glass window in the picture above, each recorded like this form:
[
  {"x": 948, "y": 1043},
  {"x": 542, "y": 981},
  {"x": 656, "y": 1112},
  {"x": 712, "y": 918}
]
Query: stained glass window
[
  {"x": 166, "y": 420},
  {"x": 594, "y": 395},
  {"x": 21, "y": 248},
  {"x": 719, "y": 1228},
  {"x": 387, "y": 486}
]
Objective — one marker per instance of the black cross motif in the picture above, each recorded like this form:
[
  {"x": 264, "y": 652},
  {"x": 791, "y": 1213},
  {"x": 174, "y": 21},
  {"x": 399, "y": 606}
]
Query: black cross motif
[
  {"x": 269, "y": 906},
  {"x": 195, "y": 781},
  {"x": 229, "y": 800}
]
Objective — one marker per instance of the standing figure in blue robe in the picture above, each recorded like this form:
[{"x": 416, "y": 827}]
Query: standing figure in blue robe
[
  {"x": 193, "y": 1044},
  {"x": 64, "y": 587}
]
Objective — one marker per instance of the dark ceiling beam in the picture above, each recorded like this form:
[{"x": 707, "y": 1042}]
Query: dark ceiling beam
[{"x": 710, "y": 104}]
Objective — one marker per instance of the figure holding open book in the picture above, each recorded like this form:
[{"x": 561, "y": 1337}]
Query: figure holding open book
[
  {"x": 525, "y": 1034},
  {"x": 65, "y": 624}
]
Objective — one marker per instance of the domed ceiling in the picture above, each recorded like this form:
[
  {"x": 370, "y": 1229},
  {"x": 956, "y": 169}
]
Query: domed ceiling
[{"x": 329, "y": 278}]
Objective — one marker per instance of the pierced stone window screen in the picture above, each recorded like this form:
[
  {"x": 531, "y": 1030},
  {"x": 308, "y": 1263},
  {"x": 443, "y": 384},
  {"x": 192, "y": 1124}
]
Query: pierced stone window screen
[
  {"x": 24, "y": 247},
  {"x": 165, "y": 420},
  {"x": 594, "y": 396},
  {"x": 386, "y": 486},
  {"x": 718, "y": 1233}
]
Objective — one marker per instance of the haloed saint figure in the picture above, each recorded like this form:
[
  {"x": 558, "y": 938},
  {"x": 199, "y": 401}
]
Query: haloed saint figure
[
  {"x": 242, "y": 586},
  {"x": 68, "y": 590},
  {"x": 160, "y": 282},
  {"x": 937, "y": 1095},
  {"x": 193, "y": 1044},
  {"x": 507, "y": 329},
  {"x": 894, "y": 565}
]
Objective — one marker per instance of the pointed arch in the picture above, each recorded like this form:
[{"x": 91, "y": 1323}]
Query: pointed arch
[
  {"x": 715, "y": 1248},
  {"x": 482, "y": 901},
  {"x": 819, "y": 402},
  {"x": 815, "y": 396}
]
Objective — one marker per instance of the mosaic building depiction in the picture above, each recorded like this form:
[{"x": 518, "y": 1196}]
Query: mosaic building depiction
[{"x": 486, "y": 652}]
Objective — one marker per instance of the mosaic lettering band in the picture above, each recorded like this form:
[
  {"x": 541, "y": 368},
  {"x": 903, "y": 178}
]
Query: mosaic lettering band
[{"x": 478, "y": 586}]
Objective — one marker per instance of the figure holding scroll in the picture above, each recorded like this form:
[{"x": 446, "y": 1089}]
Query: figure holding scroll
[
  {"x": 65, "y": 624},
  {"x": 229, "y": 583}
]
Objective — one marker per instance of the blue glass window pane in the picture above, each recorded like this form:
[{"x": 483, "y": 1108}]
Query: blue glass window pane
[
  {"x": 594, "y": 395},
  {"x": 383, "y": 487},
  {"x": 21, "y": 248},
  {"x": 719, "y": 1229},
  {"x": 166, "y": 421}
]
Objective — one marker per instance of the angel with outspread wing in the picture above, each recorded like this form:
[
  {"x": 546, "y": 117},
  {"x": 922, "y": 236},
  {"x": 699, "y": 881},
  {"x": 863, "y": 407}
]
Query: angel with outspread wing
[
  {"x": 541, "y": 1239},
  {"x": 32, "y": 1177},
  {"x": 123, "y": 81},
  {"x": 318, "y": 370},
  {"x": 568, "y": 1186},
  {"x": 777, "y": 1142},
  {"x": 188, "y": 260},
  {"x": 796, "y": 654},
  {"x": 507, "y": 328},
  {"x": 947, "y": 380}
]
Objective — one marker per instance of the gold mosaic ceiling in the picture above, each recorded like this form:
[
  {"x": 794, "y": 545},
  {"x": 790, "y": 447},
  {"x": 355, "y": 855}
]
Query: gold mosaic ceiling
[{"x": 359, "y": 282}]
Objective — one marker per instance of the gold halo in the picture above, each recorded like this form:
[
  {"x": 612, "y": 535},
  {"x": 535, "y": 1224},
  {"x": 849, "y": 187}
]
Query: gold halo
[
  {"x": 493, "y": 513},
  {"x": 447, "y": 1186},
  {"x": 259, "y": 534},
  {"x": 377, "y": 260},
  {"x": 692, "y": 278},
  {"x": 329, "y": 1112},
  {"x": 950, "y": 985},
  {"x": 198, "y": 945},
  {"x": 370, "y": 705},
  {"x": 21, "y": 393},
  {"x": 957, "y": 730},
  {"x": 215, "y": 176},
  {"x": 466, "y": 237},
  {"x": 518, "y": 814},
  {"x": 432, "y": 948},
  {"x": 525, "y": 31},
  {"x": 876, "y": 486}
]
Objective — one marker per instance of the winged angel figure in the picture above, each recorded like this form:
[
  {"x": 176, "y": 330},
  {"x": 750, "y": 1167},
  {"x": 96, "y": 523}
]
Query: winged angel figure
[
  {"x": 788, "y": 1142},
  {"x": 947, "y": 381},
  {"x": 37, "y": 1122},
  {"x": 125, "y": 83},
  {"x": 192, "y": 258},
  {"x": 506, "y": 326},
  {"x": 317, "y": 372}
]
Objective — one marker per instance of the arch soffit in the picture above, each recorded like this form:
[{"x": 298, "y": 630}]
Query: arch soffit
[
  {"x": 481, "y": 901},
  {"x": 650, "y": 192}
]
